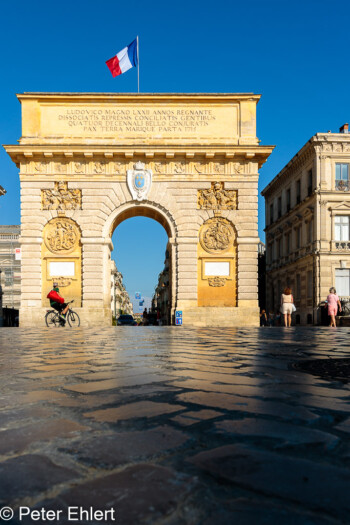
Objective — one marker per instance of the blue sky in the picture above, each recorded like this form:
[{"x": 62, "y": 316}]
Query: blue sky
[{"x": 296, "y": 54}]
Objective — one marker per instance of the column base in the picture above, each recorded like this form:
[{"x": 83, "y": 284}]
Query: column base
[
  {"x": 246, "y": 314},
  {"x": 30, "y": 317}
]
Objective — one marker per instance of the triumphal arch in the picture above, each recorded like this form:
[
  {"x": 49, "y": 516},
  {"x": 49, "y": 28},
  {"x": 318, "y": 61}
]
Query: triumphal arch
[{"x": 190, "y": 161}]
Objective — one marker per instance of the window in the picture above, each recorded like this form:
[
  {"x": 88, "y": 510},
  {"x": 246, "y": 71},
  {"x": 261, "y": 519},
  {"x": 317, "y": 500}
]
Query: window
[
  {"x": 309, "y": 182},
  {"x": 298, "y": 190},
  {"x": 342, "y": 282},
  {"x": 298, "y": 237},
  {"x": 341, "y": 224},
  {"x": 271, "y": 213},
  {"x": 288, "y": 243},
  {"x": 342, "y": 176},
  {"x": 310, "y": 284},
  {"x": 310, "y": 231},
  {"x": 269, "y": 253},
  {"x": 297, "y": 288},
  {"x": 280, "y": 248},
  {"x": 279, "y": 207},
  {"x": 288, "y": 199}
]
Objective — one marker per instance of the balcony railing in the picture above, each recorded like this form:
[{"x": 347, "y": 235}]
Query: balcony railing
[
  {"x": 341, "y": 245},
  {"x": 342, "y": 185}
]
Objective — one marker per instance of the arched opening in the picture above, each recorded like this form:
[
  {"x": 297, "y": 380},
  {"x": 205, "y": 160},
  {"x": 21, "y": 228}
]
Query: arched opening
[
  {"x": 142, "y": 264},
  {"x": 309, "y": 319}
]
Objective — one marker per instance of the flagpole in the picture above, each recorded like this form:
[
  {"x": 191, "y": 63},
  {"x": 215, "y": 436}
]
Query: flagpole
[{"x": 138, "y": 66}]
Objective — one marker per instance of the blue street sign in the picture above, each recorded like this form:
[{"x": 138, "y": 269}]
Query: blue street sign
[
  {"x": 178, "y": 313},
  {"x": 137, "y": 295},
  {"x": 178, "y": 320}
]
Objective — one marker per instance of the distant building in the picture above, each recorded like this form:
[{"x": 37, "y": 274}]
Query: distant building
[
  {"x": 262, "y": 276},
  {"x": 308, "y": 225},
  {"x": 120, "y": 300},
  {"x": 10, "y": 266},
  {"x": 161, "y": 301}
]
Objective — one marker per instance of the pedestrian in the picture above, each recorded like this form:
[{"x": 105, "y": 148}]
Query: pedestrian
[
  {"x": 333, "y": 304},
  {"x": 145, "y": 317},
  {"x": 271, "y": 319},
  {"x": 287, "y": 306},
  {"x": 263, "y": 318}
]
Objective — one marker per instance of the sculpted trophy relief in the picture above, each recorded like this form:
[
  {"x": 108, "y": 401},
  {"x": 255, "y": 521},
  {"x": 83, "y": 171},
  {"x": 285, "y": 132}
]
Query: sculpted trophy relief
[
  {"x": 61, "y": 198},
  {"x": 217, "y": 198}
]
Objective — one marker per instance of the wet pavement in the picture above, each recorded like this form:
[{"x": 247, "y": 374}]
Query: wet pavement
[{"x": 174, "y": 426}]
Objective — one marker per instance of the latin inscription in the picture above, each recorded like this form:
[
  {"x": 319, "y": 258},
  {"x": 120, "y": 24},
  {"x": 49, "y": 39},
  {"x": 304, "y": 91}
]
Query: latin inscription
[
  {"x": 138, "y": 120},
  {"x": 133, "y": 121}
]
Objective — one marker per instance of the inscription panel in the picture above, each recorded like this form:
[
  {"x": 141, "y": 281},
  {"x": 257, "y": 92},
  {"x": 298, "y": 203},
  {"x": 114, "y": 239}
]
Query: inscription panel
[{"x": 154, "y": 121}]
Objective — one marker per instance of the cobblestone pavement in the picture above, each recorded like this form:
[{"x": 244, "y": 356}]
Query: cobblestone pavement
[{"x": 175, "y": 426}]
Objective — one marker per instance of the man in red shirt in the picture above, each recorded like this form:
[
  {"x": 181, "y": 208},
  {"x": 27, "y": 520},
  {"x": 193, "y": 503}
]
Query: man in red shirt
[{"x": 62, "y": 308}]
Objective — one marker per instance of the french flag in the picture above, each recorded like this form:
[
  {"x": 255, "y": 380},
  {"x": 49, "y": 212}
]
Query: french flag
[{"x": 124, "y": 60}]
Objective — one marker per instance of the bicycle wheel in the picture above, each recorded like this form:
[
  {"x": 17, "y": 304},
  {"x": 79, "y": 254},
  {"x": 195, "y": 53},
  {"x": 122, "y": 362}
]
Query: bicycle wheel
[
  {"x": 73, "y": 319},
  {"x": 52, "y": 319}
]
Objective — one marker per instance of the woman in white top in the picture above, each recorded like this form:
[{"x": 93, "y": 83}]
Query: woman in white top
[{"x": 287, "y": 306}]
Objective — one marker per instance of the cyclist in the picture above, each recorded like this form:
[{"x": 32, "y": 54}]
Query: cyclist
[{"x": 62, "y": 308}]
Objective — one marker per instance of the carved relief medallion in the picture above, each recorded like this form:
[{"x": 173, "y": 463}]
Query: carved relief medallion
[
  {"x": 60, "y": 167},
  {"x": 139, "y": 181},
  {"x": 217, "y": 197},
  {"x": 117, "y": 167},
  {"x": 199, "y": 167},
  {"x": 61, "y": 235},
  {"x": 61, "y": 198},
  {"x": 219, "y": 168},
  {"x": 159, "y": 167},
  {"x": 99, "y": 167},
  {"x": 179, "y": 167},
  {"x": 216, "y": 235},
  {"x": 39, "y": 166},
  {"x": 238, "y": 167},
  {"x": 78, "y": 167},
  {"x": 216, "y": 281}
]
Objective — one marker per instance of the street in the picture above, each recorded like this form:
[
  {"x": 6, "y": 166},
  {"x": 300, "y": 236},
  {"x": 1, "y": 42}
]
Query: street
[{"x": 174, "y": 425}]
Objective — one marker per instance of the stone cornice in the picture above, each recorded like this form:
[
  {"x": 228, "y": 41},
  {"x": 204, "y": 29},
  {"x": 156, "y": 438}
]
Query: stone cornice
[
  {"x": 21, "y": 153},
  {"x": 306, "y": 153},
  {"x": 330, "y": 143},
  {"x": 136, "y": 96}
]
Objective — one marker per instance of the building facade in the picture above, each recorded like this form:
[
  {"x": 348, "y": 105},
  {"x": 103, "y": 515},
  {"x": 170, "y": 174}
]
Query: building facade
[
  {"x": 161, "y": 300},
  {"x": 120, "y": 299},
  {"x": 10, "y": 266},
  {"x": 307, "y": 207}
]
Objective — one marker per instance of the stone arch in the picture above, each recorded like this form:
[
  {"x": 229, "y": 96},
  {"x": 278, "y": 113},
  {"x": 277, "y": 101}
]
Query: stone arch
[
  {"x": 146, "y": 209},
  {"x": 162, "y": 216},
  {"x": 61, "y": 256}
]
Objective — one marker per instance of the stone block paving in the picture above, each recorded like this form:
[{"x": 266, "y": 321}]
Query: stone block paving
[{"x": 175, "y": 426}]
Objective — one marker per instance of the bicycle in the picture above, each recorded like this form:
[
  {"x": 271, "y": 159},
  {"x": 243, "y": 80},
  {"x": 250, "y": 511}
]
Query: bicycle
[{"x": 53, "y": 319}]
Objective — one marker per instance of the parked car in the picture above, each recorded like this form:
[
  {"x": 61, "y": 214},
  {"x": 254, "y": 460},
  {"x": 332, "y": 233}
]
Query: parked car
[{"x": 126, "y": 319}]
